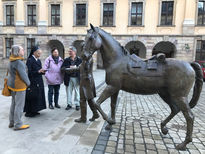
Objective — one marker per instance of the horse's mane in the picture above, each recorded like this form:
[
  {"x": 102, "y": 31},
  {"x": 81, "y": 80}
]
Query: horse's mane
[{"x": 123, "y": 49}]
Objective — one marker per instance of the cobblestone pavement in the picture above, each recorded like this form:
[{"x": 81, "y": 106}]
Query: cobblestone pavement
[{"x": 137, "y": 128}]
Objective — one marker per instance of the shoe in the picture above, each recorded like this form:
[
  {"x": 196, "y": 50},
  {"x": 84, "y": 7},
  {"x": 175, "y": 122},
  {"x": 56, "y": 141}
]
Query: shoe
[
  {"x": 11, "y": 125},
  {"x": 95, "y": 116},
  {"x": 68, "y": 107},
  {"x": 80, "y": 120},
  {"x": 22, "y": 127},
  {"x": 51, "y": 107},
  {"x": 30, "y": 115},
  {"x": 77, "y": 108},
  {"x": 57, "y": 106}
]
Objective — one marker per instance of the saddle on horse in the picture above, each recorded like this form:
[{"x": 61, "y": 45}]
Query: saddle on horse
[
  {"x": 151, "y": 63},
  {"x": 147, "y": 67}
]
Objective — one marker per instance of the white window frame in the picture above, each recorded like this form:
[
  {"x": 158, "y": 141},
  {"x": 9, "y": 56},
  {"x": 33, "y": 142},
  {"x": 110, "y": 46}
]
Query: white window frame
[
  {"x": 114, "y": 12},
  {"x": 196, "y": 15},
  {"x": 28, "y": 2},
  {"x": 54, "y": 2},
  {"x": 74, "y": 13},
  {"x": 26, "y": 44},
  {"x": 160, "y": 10},
  {"x": 130, "y": 11},
  {"x": 4, "y": 41},
  {"x": 4, "y": 11}
]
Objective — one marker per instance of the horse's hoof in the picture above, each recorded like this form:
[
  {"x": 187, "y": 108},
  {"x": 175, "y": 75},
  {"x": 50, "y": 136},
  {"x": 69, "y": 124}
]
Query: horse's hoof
[
  {"x": 111, "y": 122},
  {"x": 108, "y": 127},
  {"x": 165, "y": 130},
  {"x": 181, "y": 147}
]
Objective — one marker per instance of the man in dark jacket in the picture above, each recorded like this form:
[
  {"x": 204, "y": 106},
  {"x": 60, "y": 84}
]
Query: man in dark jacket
[
  {"x": 72, "y": 80},
  {"x": 87, "y": 89}
]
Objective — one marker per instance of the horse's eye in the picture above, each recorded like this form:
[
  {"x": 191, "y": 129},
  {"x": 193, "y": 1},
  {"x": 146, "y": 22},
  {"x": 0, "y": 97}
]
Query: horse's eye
[{"x": 92, "y": 37}]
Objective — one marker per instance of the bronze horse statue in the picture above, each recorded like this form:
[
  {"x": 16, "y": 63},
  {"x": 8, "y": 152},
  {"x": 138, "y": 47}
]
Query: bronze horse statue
[{"x": 172, "y": 79}]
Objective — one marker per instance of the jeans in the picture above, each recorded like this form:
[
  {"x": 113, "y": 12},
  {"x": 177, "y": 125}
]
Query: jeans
[
  {"x": 53, "y": 89},
  {"x": 73, "y": 85}
]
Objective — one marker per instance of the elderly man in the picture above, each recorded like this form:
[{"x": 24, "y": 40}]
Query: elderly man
[
  {"x": 87, "y": 88},
  {"x": 72, "y": 80},
  {"x": 18, "y": 81}
]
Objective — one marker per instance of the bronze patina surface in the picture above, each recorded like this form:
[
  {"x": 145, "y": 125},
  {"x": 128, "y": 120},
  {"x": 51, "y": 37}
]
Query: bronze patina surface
[{"x": 170, "y": 78}]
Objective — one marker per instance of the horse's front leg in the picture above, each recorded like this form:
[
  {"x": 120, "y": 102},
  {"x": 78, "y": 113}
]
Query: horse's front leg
[
  {"x": 107, "y": 92},
  {"x": 113, "y": 105}
]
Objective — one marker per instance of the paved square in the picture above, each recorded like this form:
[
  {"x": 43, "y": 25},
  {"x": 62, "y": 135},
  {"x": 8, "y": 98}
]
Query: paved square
[
  {"x": 137, "y": 128},
  {"x": 54, "y": 131}
]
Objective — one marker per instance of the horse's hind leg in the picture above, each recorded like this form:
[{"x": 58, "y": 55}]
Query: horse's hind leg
[
  {"x": 163, "y": 123},
  {"x": 183, "y": 104},
  {"x": 174, "y": 110}
]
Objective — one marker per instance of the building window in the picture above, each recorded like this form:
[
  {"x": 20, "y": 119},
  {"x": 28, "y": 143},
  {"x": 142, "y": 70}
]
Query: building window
[
  {"x": 55, "y": 15},
  {"x": 30, "y": 43},
  {"x": 9, "y": 42},
  {"x": 9, "y": 15},
  {"x": 167, "y": 12},
  {"x": 136, "y": 13},
  {"x": 108, "y": 14},
  {"x": 80, "y": 14},
  {"x": 200, "y": 50},
  {"x": 201, "y": 13},
  {"x": 31, "y": 10}
]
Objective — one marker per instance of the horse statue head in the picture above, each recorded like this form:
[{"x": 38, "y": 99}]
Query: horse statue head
[{"x": 93, "y": 42}]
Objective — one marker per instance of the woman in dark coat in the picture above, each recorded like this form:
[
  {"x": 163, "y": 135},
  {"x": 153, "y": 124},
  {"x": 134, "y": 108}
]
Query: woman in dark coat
[{"x": 35, "y": 95}]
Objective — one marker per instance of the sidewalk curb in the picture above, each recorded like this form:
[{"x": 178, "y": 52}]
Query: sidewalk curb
[{"x": 102, "y": 140}]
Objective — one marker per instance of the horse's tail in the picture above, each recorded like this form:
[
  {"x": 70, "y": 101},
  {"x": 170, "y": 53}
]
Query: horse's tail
[{"x": 198, "y": 84}]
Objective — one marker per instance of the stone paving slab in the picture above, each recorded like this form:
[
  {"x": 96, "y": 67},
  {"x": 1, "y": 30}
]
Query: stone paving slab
[
  {"x": 2, "y": 76},
  {"x": 137, "y": 128},
  {"x": 54, "y": 131}
]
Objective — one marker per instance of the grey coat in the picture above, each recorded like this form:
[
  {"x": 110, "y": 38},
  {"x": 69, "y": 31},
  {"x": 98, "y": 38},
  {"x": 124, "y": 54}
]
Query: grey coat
[{"x": 18, "y": 78}]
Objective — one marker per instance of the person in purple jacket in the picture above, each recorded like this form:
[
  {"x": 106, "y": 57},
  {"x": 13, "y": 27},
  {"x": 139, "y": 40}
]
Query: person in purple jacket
[{"x": 53, "y": 76}]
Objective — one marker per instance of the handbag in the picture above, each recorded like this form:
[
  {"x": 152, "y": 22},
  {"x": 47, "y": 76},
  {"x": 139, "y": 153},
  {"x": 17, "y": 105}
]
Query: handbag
[{"x": 6, "y": 91}]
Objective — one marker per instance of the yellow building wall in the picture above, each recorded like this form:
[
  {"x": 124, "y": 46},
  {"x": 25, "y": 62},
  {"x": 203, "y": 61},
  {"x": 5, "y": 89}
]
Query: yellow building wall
[
  {"x": 1, "y": 11},
  {"x": 184, "y": 9}
]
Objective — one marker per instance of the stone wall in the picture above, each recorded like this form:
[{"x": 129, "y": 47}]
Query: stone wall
[{"x": 180, "y": 42}]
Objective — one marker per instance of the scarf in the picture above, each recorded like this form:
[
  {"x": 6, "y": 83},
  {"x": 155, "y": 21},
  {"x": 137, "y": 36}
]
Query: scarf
[
  {"x": 56, "y": 59},
  {"x": 13, "y": 58}
]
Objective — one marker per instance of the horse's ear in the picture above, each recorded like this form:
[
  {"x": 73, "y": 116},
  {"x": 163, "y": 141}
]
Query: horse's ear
[{"x": 92, "y": 27}]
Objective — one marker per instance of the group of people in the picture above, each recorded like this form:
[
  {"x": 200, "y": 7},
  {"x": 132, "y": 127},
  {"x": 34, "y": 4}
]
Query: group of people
[{"x": 27, "y": 86}]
